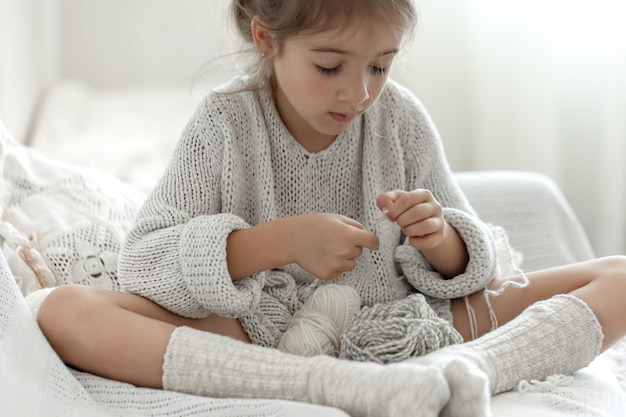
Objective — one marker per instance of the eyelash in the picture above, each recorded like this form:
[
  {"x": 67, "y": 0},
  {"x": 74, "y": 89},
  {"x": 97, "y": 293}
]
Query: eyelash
[
  {"x": 379, "y": 70},
  {"x": 332, "y": 71},
  {"x": 327, "y": 71}
]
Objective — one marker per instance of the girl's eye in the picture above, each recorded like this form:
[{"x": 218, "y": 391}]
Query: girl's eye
[
  {"x": 327, "y": 71},
  {"x": 378, "y": 70},
  {"x": 334, "y": 70}
]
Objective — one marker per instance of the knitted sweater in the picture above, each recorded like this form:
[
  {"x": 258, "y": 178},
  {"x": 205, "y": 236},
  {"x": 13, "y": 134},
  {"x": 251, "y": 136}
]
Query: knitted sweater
[{"x": 236, "y": 165}]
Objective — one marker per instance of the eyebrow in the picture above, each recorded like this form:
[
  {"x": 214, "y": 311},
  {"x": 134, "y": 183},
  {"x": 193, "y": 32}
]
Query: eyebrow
[{"x": 343, "y": 52}]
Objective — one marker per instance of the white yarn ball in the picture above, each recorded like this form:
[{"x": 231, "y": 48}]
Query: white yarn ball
[
  {"x": 317, "y": 327},
  {"x": 339, "y": 302},
  {"x": 310, "y": 333}
]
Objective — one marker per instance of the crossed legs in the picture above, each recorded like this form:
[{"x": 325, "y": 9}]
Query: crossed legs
[{"x": 125, "y": 337}]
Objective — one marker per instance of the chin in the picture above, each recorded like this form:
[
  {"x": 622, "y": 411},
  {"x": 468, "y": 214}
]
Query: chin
[
  {"x": 336, "y": 128},
  {"x": 333, "y": 132}
]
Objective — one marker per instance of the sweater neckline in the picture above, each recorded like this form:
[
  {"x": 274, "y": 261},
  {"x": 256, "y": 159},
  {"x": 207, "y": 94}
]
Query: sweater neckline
[{"x": 337, "y": 147}]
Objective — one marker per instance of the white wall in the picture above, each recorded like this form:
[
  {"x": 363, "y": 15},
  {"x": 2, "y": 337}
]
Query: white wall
[
  {"x": 28, "y": 59},
  {"x": 436, "y": 65},
  {"x": 116, "y": 43},
  {"x": 549, "y": 95},
  {"x": 523, "y": 84}
]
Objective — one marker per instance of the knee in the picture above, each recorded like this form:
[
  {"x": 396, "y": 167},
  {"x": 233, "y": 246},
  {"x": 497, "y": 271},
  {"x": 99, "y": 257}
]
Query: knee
[
  {"x": 615, "y": 263},
  {"x": 613, "y": 267},
  {"x": 64, "y": 314}
]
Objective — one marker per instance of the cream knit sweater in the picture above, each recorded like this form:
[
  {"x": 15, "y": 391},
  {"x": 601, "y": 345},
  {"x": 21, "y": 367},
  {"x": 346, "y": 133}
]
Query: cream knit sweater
[{"x": 236, "y": 165}]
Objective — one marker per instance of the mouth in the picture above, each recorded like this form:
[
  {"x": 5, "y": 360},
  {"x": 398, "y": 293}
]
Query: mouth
[{"x": 344, "y": 118}]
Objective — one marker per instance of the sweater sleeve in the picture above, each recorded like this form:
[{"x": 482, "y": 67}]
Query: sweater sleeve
[
  {"x": 426, "y": 167},
  {"x": 175, "y": 254}
]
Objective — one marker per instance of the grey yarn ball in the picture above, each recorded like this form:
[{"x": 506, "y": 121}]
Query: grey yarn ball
[{"x": 386, "y": 333}]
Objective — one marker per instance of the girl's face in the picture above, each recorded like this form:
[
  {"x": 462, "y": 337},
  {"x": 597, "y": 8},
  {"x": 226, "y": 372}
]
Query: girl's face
[{"x": 325, "y": 80}]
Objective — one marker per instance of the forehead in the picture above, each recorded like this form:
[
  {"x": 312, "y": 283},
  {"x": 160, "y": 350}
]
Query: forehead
[{"x": 355, "y": 38}]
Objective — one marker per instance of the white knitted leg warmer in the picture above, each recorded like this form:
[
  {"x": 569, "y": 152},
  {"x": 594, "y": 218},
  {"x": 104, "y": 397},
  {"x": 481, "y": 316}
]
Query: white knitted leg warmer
[
  {"x": 556, "y": 336},
  {"x": 202, "y": 363}
]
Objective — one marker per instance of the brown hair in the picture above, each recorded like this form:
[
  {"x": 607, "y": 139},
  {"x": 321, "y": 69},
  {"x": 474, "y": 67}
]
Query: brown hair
[{"x": 289, "y": 18}]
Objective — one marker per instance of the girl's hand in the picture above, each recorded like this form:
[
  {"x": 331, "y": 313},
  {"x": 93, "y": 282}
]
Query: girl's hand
[
  {"x": 326, "y": 245},
  {"x": 419, "y": 215}
]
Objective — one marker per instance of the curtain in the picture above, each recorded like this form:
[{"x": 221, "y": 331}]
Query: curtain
[{"x": 535, "y": 85}]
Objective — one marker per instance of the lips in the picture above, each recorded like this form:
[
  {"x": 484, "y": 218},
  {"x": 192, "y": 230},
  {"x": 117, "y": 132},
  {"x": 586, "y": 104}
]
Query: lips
[{"x": 344, "y": 117}]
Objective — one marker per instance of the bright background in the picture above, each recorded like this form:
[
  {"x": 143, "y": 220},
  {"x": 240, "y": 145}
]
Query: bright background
[{"x": 535, "y": 85}]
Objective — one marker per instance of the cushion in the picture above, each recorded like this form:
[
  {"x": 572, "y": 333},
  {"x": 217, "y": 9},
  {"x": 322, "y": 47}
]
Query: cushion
[{"x": 61, "y": 223}]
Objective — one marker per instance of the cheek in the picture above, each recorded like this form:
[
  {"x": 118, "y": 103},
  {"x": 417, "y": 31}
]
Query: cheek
[
  {"x": 312, "y": 92},
  {"x": 320, "y": 91},
  {"x": 376, "y": 87},
  {"x": 297, "y": 83}
]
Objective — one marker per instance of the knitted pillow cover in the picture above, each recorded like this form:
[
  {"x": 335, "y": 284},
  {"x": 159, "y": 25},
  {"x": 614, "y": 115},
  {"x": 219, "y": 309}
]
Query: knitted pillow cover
[{"x": 61, "y": 223}]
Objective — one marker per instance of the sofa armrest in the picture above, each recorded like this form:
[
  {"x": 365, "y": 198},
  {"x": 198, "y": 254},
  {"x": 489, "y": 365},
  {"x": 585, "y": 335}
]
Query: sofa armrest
[{"x": 539, "y": 221}]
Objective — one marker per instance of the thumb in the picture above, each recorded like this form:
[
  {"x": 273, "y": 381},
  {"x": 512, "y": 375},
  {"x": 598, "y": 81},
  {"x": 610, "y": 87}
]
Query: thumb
[
  {"x": 364, "y": 238},
  {"x": 386, "y": 199}
]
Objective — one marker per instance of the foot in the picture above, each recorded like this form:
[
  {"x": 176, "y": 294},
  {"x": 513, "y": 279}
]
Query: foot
[
  {"x": 469, "y": 390},
  {"x": 469, "y": 386},
  {"x": 372, "y": 390}
]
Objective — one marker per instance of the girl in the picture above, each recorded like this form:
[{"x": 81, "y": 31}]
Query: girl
[{"x": 273, "y": 191}]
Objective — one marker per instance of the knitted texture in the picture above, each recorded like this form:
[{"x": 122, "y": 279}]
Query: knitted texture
[
  {"x": 266, "y": 324},
  {"x": 61, "y": 224},
  {"x": 396, "y": 331},
  {"x": 207, "y": 364},
  {"x": 476, "y": 236},
  {"x": 35, "y": 382},
  {"x": 556, "y": 336},
  {"x": 316, "y": 328},
  {"x": 236, "y": 165}
]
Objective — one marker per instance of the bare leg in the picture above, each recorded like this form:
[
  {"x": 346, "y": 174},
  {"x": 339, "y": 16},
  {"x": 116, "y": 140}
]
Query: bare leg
[
  {"x": 600, "y": 283},
  {"x": 128, "y": 338},
  {"x": 98, "y": 331},
  {"x": 557, "y": 324}
]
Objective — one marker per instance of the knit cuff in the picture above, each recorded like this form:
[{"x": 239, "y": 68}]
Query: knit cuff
[
  {"x": 205, "y": 270},
  {"x": 267, "y": 323},
  {"x": 481, "y": 267}
]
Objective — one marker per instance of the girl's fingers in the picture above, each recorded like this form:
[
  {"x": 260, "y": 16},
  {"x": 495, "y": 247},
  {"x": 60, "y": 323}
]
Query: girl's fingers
[
  {"x": 362, "y": 237},
  {"x": 353, "y": 223},
  {"x": 424, "y": 227},
  {"x": 397, "y": 202},
  {"x": 419, "y": 213},
  {"x": 387, "y": 199}
]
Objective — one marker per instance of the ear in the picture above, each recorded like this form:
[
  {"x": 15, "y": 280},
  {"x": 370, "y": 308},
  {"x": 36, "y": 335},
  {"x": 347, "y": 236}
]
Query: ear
[{"x": 262, "y": 37}]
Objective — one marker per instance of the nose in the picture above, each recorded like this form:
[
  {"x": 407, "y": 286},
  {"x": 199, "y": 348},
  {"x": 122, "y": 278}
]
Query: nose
[{"x": 356, "y": 91}]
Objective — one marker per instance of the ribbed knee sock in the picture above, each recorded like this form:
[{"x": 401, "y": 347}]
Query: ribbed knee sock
[
  {"x": 202, "y": 363},
  {"x": 556, "y": 336}
]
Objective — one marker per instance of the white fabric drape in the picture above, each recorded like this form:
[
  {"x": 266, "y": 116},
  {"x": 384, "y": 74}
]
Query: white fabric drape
[{"x": 536, "y": 85}]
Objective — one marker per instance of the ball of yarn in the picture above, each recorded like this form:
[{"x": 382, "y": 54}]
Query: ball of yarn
[
  {"x": 339, "y": 302},
  {"x": 386, "y": 333},
  {"x": 310, "y": 333},
  {"x": 316, "y": 328}
]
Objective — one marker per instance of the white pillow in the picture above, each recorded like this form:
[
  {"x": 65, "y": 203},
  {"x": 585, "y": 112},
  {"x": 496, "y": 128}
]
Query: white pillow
[{"x": 61, "y": 223}]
